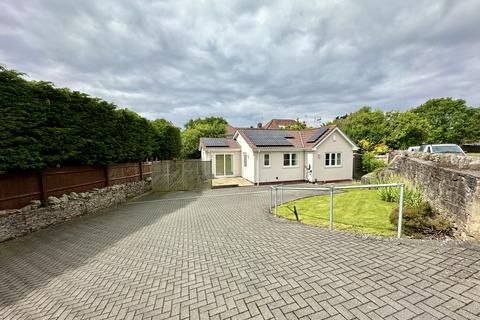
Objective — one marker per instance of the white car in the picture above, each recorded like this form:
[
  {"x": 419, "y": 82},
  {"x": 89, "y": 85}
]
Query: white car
[
  {"x": 414, "y": 149},
  {"x": 442, "y": 148}
]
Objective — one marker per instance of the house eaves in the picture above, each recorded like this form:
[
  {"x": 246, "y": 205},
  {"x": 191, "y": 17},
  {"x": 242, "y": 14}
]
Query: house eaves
[{"x": 335, "y": 129}]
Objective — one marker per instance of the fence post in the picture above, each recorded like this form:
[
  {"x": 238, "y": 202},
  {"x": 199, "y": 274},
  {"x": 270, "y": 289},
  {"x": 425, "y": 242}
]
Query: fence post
[
  {"x": 107, "y": 175},
  {"x": 400, "y": 212},
  {"x": 43, "y": 186},
  {"x": 281, "y": 195},
  {"x": 331, "y": 208},
  {"x": 275, "y": 204},
  {"x": 140, "y": 166},
  {"x": 271, "y": 200}
]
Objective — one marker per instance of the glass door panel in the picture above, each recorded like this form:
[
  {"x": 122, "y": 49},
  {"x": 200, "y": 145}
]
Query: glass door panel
[
  {"x": 228, "y": 165},
  {"x": 219, "y": 165}
]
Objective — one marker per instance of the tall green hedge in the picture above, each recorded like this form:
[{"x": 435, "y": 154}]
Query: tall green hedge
[{"x": 42, "y": 126}]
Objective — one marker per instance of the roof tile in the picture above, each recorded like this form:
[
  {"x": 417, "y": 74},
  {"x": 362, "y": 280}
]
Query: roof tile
[{"x": 299, "y": 138}]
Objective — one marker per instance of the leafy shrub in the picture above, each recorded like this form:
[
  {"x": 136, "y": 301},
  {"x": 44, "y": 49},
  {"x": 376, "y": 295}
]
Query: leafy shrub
[
  {"x": 364, "y": 145},
  {"x": 43, "y": 126},
  {"x": 389, "y": 194},
  {"x": 412, "y": 196},
  {"x": 212, "y": 127},
  {"x": 422, "y": 220},
  {"x": 381, "y": 148},
  {"x": 371, "y": 164}
]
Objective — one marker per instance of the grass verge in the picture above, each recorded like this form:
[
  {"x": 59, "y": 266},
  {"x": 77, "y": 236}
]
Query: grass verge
[{"x": 354, "y": 210}]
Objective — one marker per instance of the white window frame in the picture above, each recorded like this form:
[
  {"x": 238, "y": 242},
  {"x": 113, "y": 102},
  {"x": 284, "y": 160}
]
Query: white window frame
[
  {"x": 268, "y": 157},
  {"x": 290, "y": 158},
  {"x": 330, "y": 165}
]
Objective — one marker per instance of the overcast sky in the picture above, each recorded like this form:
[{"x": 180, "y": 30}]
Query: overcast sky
[{"x": 248, "y": 61}]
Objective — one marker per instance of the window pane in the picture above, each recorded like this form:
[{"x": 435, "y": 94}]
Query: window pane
[
  {"x": 294, "y": 159},
  {"x": 339, "y": 159},
  {"x": 327, "y": 159},
  {"x": 245, "y": 158},
  {"x": 286, "y": 159},
  {"x": 219, "y": 165},
  {"x": 228, "y": 165},
  {"x": 266, "y": 159},
  {"x": 332, "y": 159}
]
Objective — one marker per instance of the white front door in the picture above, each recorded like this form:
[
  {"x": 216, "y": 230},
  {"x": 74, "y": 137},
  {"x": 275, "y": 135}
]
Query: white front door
[
  {"x": 309, "y": 167},
  {"x": 223, "y": 165}
]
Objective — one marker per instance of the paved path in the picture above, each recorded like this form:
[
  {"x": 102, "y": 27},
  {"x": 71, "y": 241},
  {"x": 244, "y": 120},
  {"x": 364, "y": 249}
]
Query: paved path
[{"x": 220, "y": 255}]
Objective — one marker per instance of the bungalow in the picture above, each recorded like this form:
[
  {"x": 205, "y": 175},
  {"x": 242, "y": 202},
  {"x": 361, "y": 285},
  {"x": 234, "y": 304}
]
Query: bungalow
[{"x": 272, "y": 156}]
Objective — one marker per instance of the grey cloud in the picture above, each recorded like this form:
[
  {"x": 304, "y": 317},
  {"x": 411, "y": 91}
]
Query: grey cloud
[{"x": 248, "y": 60}]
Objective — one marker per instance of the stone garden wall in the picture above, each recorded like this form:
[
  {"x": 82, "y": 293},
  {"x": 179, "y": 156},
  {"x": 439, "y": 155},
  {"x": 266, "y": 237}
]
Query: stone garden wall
[
  {"x": 18, "y": 222},
  {"x": 450, "y": 183}
]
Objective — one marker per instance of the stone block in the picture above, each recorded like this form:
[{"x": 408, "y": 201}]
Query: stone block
[
  {"x": 448, "y": 182},
  {"x": 53, "y": 201},
  {"x": 14, "y": 223}
]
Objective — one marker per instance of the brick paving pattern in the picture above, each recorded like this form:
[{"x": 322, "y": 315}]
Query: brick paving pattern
[{"x": 220, "y": 255}]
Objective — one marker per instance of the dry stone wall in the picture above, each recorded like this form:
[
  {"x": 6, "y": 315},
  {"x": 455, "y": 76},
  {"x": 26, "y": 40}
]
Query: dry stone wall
[
  {"x": 15, "y": 223},
  {"x": 450, "y": 183}
]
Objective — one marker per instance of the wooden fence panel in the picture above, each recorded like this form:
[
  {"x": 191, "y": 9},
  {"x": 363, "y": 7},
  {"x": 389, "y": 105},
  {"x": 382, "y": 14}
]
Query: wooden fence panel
[
  {"x": 18, "y": 189},
  {"x": 147, "y": 169},
  {"x": 358, "y": 171},
  {"x": 123, "y": 173},
  {"x": 73, "y": 179}
]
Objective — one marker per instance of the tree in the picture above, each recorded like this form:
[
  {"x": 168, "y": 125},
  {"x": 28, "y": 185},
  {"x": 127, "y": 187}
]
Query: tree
[
  {"x": 167, "y": 140},
  {"x": 43, "y": 126},
  {"x": 364, "y": 124},
  {"x": 451, "y": 121},
  {"x": 406, "y": 129},
  {"x": 22, "y": 117},
  {"x": 190, "y": 140},
  {"x": 437, "y": 121},
  {"x": 217, "y": 122},
  {"x": 211, "y": 127},
  {"x": 136, "y": 136}
]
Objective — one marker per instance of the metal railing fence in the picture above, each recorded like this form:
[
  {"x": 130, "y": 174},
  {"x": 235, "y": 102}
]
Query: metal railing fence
[{"x": 277, "y": 193}]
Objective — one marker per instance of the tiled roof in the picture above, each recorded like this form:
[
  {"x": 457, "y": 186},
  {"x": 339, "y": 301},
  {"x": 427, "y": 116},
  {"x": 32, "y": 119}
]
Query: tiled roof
[
  {"x": 229, "y": 130},
  {"x": 278, "y": 123},
  {"x": 300, "y": 139},
  {"x": 222, "y": 143}
]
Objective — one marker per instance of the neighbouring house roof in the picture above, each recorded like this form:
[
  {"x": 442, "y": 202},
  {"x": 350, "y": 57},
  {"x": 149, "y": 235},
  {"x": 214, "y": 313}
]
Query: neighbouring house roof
[
  {"x": 278, "y": 124},
  {"x": 219, "y": 143},
  {"x": 297, "y": 139},
  {"x": 230, "y": 131}
]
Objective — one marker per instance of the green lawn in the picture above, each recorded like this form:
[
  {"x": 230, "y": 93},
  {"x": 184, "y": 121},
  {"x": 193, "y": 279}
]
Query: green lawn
[{"x": 354, "y": 210}]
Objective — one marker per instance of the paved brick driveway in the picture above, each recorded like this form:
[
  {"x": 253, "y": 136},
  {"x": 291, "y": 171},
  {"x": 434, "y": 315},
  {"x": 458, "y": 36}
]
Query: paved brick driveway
[{"x": 219, "y": 256}]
